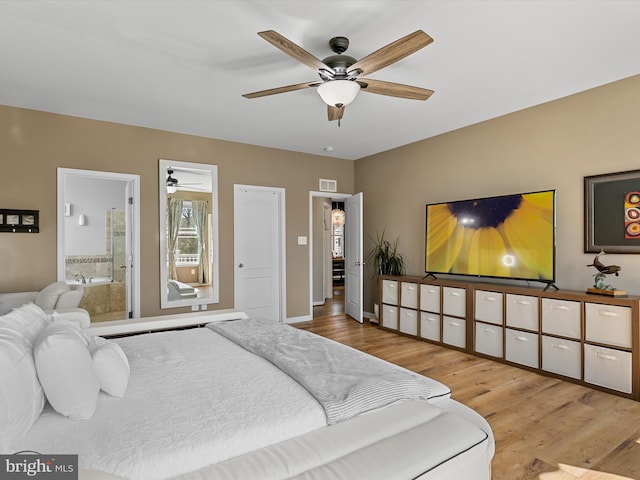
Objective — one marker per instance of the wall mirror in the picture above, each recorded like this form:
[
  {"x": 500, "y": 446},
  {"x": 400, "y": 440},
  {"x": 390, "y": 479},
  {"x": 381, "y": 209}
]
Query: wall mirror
[{"x": 189, "y": 273}]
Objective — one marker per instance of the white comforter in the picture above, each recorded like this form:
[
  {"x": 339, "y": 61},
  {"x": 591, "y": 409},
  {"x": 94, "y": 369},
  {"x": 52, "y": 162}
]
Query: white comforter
[
  {"x": 243, "y": 403},
  {"x": 345, "y": 381}
]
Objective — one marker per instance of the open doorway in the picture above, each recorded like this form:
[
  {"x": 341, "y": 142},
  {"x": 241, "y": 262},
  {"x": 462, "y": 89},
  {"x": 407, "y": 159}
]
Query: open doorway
[
  {"x": 331, "y": 250},
  {"x": 98, "y": 233},
  {"x": 335, "y": 254}
]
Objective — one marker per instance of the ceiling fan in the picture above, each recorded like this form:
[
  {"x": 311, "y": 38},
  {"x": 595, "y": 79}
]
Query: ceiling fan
[
  {"x": 172, "y": 184},
  {"x": 340, "y": 74}
]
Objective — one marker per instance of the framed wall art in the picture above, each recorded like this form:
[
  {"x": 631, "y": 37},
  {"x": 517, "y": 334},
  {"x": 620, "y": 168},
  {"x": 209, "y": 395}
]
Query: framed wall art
[
  {"x": 612, "y": 212},
  {"x": 19, "y": 221}
]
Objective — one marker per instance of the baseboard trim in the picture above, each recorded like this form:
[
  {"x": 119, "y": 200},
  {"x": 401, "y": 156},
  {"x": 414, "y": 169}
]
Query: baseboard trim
[
  {"x": 305, "y": 318},
  {"x": 302, "y": 318}
]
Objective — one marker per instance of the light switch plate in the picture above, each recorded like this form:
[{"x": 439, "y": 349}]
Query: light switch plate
[{"x": 302, "y": 240}]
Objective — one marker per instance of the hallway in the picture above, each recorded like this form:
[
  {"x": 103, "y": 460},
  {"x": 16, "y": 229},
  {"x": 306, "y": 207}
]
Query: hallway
[{"x": 332, "y": 306}]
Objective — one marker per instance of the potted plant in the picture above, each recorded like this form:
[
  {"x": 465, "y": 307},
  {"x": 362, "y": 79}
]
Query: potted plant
[
  {"x": 385, "y": 256},
  {"x": 386, "y": 260}
]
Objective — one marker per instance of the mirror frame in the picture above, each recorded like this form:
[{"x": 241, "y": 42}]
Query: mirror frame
[{"x": 215, "y": 257}]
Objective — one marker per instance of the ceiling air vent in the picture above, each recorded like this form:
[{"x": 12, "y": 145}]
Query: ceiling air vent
[{"x": 328, "y": 185}]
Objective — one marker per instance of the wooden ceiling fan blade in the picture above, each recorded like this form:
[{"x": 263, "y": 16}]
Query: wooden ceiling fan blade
[
  {"x": 335, "y": 113},
  {"x": 394, "y": 89},
  {"x": 295, "y": 51},
  {"x": 289, "y": 88},
  {"x": 393, "y": 52}
]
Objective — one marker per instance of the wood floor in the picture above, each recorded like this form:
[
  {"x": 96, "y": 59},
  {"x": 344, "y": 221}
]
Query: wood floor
[{"x": 545, "y": 428}]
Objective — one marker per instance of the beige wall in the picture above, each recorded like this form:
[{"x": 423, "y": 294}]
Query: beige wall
[
  {"x": 550, "y": 146},
  {"x": 35, "y": 143}
]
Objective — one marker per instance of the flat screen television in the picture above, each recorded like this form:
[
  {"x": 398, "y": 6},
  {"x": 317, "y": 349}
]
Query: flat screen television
[{"x": 507, "y": 236}]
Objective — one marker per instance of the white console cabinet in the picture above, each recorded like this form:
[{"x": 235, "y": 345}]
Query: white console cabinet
[{"x": 585, "y": 338}]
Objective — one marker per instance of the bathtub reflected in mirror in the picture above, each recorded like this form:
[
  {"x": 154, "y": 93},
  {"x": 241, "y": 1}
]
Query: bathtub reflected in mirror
[{"x": 188, "y": 233}]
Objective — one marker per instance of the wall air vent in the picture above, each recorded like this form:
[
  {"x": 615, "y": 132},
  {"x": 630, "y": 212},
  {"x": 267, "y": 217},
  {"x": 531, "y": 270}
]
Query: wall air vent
[{"x": 328, "y": 185}]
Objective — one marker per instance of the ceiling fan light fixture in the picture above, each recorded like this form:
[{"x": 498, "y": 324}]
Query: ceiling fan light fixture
[
  {"x": 171, "y": 183},
  {"x": 338, "y": 92}
]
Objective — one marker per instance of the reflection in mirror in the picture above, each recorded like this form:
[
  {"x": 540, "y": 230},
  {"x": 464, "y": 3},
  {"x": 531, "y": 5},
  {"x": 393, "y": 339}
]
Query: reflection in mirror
[
  {"x": 188, "y": 234},
  {"x": 97, "y": 241}
]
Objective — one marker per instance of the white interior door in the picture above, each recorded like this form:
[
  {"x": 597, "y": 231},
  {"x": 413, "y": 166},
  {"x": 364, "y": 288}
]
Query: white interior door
[
  {"x": 259, "y": 255},
  {"x": 353, "y": 257}
]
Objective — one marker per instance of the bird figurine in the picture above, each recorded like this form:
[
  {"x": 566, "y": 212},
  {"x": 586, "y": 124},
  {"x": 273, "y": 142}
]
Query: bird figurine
[{"x": 602, "y": 268}]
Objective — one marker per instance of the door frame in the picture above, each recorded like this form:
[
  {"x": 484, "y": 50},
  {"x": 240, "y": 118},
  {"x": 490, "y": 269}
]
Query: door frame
[
  {"x": 134, "y": 224},
  {"x": 281, "y": 192},
  {"x": 312, "y": 195}
]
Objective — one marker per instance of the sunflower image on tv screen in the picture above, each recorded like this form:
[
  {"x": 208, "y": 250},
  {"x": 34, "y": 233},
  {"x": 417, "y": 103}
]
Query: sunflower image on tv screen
[{"x": 510, "y": 236}]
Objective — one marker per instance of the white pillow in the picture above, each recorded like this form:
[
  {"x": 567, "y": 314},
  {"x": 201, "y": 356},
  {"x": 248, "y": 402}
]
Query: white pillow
[
  {"x": 112, "y": 366},
  {"x": 65, "y": 370},
  {"x": 28, "y": 320},
  {"x": 47, "y": 298},
  {"x": 21, "y": 396},
  {"x": 75, "y": 328},
  {"x": 78, "y": 316}
]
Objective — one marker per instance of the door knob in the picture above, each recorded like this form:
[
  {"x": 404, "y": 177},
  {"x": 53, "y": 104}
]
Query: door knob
[{"x": 241, "y": 265}]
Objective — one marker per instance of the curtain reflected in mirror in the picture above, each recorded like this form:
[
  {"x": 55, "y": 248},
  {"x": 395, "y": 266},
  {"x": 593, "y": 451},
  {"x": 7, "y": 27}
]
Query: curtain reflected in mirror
[
  {"x": 188, "y": 227},
  {"x": 174, "y": 217}
]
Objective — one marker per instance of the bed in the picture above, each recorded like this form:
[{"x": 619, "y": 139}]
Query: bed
[
  {"x": 180, "y": 291},
  {"x": 216, "y": 403}
]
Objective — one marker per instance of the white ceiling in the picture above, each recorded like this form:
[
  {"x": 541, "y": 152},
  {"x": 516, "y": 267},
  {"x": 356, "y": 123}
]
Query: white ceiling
[{"x": 183, "y": 65}]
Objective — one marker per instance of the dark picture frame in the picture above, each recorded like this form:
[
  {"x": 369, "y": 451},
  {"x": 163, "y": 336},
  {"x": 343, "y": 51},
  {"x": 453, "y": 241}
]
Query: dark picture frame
[
  {"x": 19, "y": 221},
  {"x": 612, "y": 212}
]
